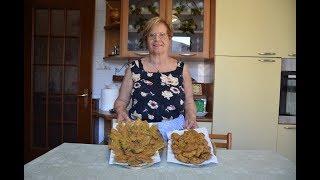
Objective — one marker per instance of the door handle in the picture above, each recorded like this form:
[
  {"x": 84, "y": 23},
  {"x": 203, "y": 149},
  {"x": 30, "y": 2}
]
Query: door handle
[
  {"x": 266, "y": 60},
  {"x": 85, "y": 96},
  {"x": 289, "y": 127},
  {"x": 266, "y": 53}
]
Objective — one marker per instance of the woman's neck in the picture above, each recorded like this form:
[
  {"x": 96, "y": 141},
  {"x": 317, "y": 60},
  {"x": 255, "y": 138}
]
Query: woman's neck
[{"x": 158, "y": 59}]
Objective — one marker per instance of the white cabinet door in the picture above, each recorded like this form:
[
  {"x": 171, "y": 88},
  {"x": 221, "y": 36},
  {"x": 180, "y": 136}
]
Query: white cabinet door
[
  {"x": 286, "y": 142},
  {"x": 246, "y": 27},
  {"x": 207, "y": 125},
  {"x": 246, "y": 101}
]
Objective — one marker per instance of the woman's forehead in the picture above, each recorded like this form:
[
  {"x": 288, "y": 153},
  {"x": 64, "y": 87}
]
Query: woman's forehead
[{"x": 158, "y": 28}]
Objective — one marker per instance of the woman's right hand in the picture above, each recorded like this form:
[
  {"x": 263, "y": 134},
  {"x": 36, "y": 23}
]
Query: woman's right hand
[{"x": 122, "y": 116}]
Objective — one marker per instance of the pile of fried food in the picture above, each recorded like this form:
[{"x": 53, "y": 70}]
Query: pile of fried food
[
  {"x": 191, "y": 147},
  {"x": 135, "y": 142}
]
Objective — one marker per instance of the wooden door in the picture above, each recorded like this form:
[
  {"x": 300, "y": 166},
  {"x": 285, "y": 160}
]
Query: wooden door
[{"x": 57, "y": 79}]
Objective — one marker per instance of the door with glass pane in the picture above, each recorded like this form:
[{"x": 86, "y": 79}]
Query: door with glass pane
[
  {"x": 58, "y": 44},
  {"x": 135, "y": 13},
  {"x": 190, "y": 20}
]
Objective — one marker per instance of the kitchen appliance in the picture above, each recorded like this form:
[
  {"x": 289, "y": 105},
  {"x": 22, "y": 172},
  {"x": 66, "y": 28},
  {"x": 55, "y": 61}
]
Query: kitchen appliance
[
  {"x": 246, "y": 100},
  {"x": 287, "y": 105},
  {"x": 249, "y": 45}
]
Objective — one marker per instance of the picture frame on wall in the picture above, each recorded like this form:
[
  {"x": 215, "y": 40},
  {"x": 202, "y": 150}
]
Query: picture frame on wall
[{"x": 197, "y": 89}]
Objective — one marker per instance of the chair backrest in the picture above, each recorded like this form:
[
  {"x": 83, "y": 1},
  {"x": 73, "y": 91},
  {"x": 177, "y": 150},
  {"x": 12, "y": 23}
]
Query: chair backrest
[{"x": 226, "y": 137}]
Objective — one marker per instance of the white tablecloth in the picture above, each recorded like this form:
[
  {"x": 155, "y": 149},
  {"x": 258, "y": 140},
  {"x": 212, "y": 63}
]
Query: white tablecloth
[{"x": 73, "y": 161}]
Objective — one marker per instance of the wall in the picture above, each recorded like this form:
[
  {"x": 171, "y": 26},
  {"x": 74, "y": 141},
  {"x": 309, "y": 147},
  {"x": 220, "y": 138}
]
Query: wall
[{"x": 103, "y": 71}]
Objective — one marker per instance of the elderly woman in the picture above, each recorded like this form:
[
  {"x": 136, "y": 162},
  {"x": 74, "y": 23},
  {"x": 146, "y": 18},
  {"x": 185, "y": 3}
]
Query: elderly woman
[{"x": 159, "y": 87}]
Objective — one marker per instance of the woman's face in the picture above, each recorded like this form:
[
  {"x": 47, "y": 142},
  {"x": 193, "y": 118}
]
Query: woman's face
[{"x": 158, "y": 40}]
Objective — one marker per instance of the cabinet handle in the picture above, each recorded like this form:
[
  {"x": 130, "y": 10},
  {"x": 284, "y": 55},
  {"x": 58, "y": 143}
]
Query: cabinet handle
[
  {"x": 141, "y": 53},
  {"x": 266, "y": 60},
  {"x": 187, "y": 54},
  {"x": 292, "y": 54},
  {"x": 266, "y": 53},
  {"x": 289, "y": 127}
]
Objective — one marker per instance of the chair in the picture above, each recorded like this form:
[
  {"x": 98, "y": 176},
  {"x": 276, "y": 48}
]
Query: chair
[{"x": 226, "y": 137}]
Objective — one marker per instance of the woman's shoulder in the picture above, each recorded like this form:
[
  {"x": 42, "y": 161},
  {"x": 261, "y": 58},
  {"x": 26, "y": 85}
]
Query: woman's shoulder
[
  {"x": 174, "y": 61},
  {"x": 135, "y": 63}
]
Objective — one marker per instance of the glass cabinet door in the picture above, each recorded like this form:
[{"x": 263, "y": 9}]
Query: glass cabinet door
[
  {"x": 190, "y": 22},
  {"x": 135, "y": 14}
]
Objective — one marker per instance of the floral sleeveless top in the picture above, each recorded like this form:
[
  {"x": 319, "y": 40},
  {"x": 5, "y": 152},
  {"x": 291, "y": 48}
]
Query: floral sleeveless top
[{"x": 156, "y": 96}]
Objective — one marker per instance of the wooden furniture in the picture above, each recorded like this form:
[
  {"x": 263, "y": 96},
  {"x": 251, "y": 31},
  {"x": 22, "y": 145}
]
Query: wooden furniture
[
  {"x": 58, "y": 51},
  {"x": 107, "y": 117},
  {"x": 112, "y": 30},
  {"x": 226, "y": 137},
  {"x": 206, "y": 121},
  {"x": 194, "y": 18}
]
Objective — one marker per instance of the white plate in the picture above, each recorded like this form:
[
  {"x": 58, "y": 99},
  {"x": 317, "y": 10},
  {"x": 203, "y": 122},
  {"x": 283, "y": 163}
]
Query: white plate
[
  {"x": 201, "y": 114},
  {"x": 155, "y": 158},
  {"x": 170, "y": 155}
]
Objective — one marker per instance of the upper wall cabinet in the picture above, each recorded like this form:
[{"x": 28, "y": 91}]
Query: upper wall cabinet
[
  {"x": 190, "y": 20},
  {"x": 264, "y": 26}
]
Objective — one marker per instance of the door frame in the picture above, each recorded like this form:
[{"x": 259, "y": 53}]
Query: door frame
[{"x": 86, "y": 7}]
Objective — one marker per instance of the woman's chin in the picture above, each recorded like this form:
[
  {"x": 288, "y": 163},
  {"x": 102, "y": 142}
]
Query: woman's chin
[{"x": 157, "y": 51}]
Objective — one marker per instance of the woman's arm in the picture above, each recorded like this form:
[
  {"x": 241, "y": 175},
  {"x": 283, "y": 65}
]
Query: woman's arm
[
  {"x": 190, "y": 108},
  {"x": 121, "y": 103}
]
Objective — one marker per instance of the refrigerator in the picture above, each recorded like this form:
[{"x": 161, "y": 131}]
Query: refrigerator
[
  {"x": 247, "y": 74},
  {"x": 246, "y": 100}
]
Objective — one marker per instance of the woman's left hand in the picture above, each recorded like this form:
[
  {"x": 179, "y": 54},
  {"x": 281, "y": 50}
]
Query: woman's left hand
[{"x": 191, "y": 124}]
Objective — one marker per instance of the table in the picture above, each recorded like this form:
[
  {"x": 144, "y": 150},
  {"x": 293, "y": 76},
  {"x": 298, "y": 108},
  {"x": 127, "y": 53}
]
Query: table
[{"x": 73, "y": 161}]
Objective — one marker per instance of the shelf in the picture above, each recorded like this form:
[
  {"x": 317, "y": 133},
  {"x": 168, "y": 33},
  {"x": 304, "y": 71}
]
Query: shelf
[
  {"x": 114, "y": 57},
  {"x": 186, "y": 14},
  {"x": 115, "y": 26},
  {"x": 199, "y": 97},
  {"x": 196, "y": 32},
  {"x": 145, "y": 14},
  {"x": 207, "y": 118}
]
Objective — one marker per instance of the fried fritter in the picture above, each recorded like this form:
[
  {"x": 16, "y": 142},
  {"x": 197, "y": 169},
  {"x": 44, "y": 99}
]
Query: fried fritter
[
  {"x": 191, "y": 147},
  {"x": 135, "y": 142}
]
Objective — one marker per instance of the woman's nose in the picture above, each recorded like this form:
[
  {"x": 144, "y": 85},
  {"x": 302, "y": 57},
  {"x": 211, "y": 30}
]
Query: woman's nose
[{"x": 156, "y": 37}]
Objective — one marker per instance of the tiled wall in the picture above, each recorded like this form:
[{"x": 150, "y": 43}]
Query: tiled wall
[{"x": 103, "y": 71}]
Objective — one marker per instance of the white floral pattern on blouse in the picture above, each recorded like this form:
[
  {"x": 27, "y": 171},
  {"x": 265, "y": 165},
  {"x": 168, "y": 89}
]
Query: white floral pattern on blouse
[
  {"x": 153, "y": 104},
  {"x": 169, "y": 80},
  {"x": 135, "y": 77},
  {"x": 167, "y": 94},
  {"x": 135, "y": 115},
  {"x": 157, "y": 96}
]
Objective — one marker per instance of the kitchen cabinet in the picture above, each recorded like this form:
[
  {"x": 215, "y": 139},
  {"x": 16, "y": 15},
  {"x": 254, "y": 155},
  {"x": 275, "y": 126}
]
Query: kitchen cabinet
[
  {"x": 250, "y": 27},
  {"x": 112, "y": 28},
  {"x": 190, "y": 21},
  {"x": 286, "y": 141},
  {"x": 246, "y": 100}
]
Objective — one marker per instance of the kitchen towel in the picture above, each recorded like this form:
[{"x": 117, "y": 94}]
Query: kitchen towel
[
  {"x": 166, "y": 126},
  {"x": 108, "y": 96}
]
